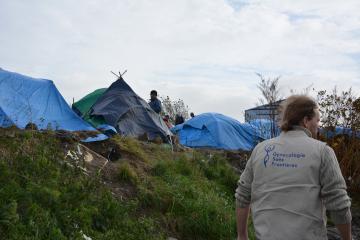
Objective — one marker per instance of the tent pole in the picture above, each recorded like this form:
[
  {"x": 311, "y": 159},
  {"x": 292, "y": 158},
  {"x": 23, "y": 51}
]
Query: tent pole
[{"x": 115, "y": 74}]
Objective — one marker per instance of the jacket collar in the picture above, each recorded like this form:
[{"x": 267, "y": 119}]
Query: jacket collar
[{"x": 298, "y": 130}]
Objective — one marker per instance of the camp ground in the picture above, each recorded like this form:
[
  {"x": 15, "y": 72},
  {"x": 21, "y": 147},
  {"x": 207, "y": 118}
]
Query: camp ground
[
  {"x": 120, "y": 107},
  {"x": 127, "y": 157},
  {"x": 25, "y": 100},
  {"x": 179, "y": 120}
]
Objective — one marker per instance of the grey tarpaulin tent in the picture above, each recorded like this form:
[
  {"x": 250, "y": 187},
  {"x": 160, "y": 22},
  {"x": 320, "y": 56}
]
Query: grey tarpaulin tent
[{"x": 123, "y": 109}]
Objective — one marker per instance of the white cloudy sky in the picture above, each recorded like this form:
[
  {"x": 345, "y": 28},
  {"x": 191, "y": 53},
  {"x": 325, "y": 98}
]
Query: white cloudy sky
[{"x": 203, "y": 51}]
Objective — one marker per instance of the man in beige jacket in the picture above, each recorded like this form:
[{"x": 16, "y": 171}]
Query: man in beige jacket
[{"x": 290, "y": 180}]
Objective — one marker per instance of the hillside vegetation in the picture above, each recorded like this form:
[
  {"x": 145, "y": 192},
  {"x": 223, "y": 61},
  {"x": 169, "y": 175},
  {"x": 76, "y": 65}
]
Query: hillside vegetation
[{"x": 146, "y": 192}]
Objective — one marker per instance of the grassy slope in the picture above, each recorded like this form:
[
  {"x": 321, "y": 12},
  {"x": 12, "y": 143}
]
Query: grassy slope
[{"x": 185, "y": 195}]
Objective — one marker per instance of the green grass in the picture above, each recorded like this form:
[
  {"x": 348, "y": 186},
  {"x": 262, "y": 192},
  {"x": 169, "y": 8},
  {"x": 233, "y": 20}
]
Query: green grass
[
  {"x": 127, "y": 173},
  {"x": 184, "y": 195},
  {"x": 195, "y": 195},
  {"x": 43, "y": 198},
  {"x": 131, "y": 146}
]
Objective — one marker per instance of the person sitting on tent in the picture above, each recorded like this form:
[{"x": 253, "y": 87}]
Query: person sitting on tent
[
  {"x": 179, "y": 119},
  {"x": 166, "y": 119},
  {"x": 192, "y": 115},
  {"x": 155, "y": 103}
]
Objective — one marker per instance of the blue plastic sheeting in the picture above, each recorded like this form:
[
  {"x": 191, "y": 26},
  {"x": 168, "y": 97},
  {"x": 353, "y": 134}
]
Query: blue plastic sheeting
[
  {"x": 4, "y": 120},
  {"x": 264, "y": 128},
  {"x": 107, "y": 129},
  {"x": 218, "y": 131},
  {"x": 24, "y": 99},
  {"x": 99, "y": 137},
  {"x": 338, "y": 131}
]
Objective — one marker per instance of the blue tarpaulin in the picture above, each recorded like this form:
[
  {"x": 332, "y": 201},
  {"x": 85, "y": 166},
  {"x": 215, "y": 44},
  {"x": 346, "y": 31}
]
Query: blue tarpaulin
[
  {"x": 218, "y": 131},
  {"x": 339, "y": 131},
  {"x": 264, "y": 128},
  {"x": 26, "y": 100}
]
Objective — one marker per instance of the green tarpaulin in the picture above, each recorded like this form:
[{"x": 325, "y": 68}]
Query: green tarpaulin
[{"x": 83, "y": 106}]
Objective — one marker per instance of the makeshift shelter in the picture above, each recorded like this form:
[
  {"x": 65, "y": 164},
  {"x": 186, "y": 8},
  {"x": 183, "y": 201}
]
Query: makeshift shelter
[
  {"x": 330, "y": 133},
  {"x": 214, "y": 130},
  {"x": 25, "y": 100},
  {"x": 119, "y": 106},
  {"x": 266, "y": 111},
  {"x": 83, "y": 107},
  {"x": 265, "y": 128}
]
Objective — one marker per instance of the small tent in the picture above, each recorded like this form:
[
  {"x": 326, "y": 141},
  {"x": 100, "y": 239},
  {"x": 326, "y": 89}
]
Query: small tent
[
  {"x": 26, "y": 100},
  {"x": 83, "y": 106},
  {"x": 119, "y": 106},
  {"x": 214, "y": 130}
]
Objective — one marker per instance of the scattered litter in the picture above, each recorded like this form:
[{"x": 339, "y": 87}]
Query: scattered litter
[
  {"x": 72, "y": 155},
  {"x": 79, "y": 150},
  {"x": 84, "y": 236},
  {"x": 88, "y": 157}
]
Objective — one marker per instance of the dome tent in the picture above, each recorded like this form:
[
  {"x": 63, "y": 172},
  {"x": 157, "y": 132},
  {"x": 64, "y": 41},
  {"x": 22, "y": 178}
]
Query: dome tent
[{"x": 215, "y": 130}]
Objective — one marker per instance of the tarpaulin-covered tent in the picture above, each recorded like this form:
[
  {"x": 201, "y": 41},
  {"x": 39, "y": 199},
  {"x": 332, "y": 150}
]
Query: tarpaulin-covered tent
[
  {"x": 120, "y": 107},
  {"x": 265, "y": 128},
  {"x": 214, "y": 130},
  {"x": 330, "y": 133},
  {"x": 83, "y": 107},
  {"x": 25, "y": 100}
]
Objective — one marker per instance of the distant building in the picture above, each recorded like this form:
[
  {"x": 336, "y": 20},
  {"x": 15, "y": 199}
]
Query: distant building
[{"x": 266, "y": 111}]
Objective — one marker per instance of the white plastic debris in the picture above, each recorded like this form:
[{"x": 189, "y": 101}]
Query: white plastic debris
[{"x": 84, "y": 236}]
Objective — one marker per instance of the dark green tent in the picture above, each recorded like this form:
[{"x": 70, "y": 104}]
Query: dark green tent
[{"x": 83, "y": 107}]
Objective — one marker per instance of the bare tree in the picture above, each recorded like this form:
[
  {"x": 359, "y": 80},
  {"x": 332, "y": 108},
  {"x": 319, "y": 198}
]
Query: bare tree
[
  {"x": 173, "y": 108},
  {"x": 271, "y": 94},
  {"x": 269, "y": 89},
  {"x": 304, "y": 91},
  {"x": 339, "y": 109}
]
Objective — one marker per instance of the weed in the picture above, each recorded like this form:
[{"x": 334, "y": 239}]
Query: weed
[
  {"x": 131, "y": 146},
  {"x": 127, "y": 173}
]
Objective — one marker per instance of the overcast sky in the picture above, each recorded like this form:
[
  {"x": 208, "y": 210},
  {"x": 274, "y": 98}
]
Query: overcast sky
[{"x": 205, "y": 52}]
